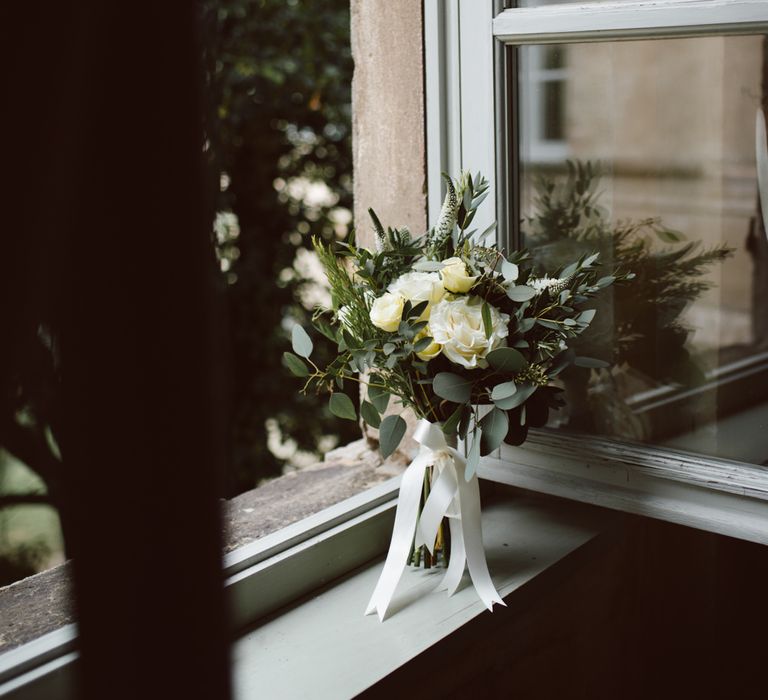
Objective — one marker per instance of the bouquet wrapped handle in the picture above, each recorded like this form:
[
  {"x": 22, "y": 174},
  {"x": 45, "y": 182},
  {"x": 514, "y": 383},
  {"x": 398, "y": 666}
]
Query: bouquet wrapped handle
[{"x": 452, "y": 496}]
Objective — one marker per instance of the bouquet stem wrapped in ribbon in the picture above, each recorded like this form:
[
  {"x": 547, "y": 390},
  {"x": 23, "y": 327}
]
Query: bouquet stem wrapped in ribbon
[
  {"x": 450, "y": 496},
  {"x": 446, "y": 324}
]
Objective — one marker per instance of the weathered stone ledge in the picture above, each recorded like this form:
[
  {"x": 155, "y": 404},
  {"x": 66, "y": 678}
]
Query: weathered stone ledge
[{"x": 41, "y": 603}]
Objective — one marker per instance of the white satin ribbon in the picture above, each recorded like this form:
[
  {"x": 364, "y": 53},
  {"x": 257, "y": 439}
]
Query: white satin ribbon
[{"x": 451, "y": 496}]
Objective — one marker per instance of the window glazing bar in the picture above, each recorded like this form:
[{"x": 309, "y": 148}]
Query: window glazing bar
[{"x": 604, "y": 21}]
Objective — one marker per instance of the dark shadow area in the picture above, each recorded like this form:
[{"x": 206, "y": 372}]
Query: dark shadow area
[
  {"x": 652, "y": 611},
  {"x": 109, "y": 272}
]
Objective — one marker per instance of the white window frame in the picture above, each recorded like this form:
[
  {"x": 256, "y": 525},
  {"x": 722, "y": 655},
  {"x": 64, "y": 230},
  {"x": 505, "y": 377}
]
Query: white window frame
[{"x": 467, "y": 124}]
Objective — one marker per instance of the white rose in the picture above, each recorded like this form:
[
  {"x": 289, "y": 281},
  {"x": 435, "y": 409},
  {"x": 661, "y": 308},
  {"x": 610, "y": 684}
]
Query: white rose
[
  {"x": 386, "y": 311},
  {"x": 455, "y": 276},
  {"x": 417, "y": 287},
  {"x": 457, "y": 325}
]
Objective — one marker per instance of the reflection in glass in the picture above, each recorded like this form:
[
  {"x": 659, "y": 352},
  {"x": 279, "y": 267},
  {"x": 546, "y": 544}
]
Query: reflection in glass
[{"x": 647, "y": 153}]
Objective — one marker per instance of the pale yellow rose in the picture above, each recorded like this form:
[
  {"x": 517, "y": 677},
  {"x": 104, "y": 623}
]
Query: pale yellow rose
[
  {"x": 455, "y": 276},
  {"x": 386, "y": 311},
  {"x": 432, "y": 350}
]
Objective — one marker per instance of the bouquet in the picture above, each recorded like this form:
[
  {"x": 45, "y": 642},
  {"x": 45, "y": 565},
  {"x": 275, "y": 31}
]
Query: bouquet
[{"x": 472, "y": 339}]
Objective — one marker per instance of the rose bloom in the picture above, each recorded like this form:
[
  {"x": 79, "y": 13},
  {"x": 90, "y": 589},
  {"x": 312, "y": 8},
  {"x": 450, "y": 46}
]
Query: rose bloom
[
  {"x": 417, "y": 287},
  {"x": 457, "y": 325},
  {"x": 455, "y": 276},
  {"x": 386, "y": 311}
]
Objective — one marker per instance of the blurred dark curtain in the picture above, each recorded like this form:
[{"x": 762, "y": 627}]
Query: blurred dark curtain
[{"x": 106, "y": 254}]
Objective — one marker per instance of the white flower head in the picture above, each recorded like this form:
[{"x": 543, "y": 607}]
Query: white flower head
[
  {"x": 553, "y": 285},
  {"x": 417, "y": 287},
  {"x": 457, "y": 325}
]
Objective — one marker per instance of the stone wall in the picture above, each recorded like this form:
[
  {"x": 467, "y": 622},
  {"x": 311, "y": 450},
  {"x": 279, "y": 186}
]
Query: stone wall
[{"x": 389, "y": 148}]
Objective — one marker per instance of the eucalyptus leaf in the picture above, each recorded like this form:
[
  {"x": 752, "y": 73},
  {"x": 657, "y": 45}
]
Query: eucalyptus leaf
[
  {"x": 521, "y": 293},
  {"x": 342, "y": 407},
  {"x": 510, "y": 271},
  {"x": 377, "y": 395},
  {"x": 586, "y": 316},
  {"x": 391, "y": 432},
  {"x": 295, "y": 364},
  {"x": 523, "y": 393},
  {"x": 452, "y": 387},
  {"x": 422, "y": 344},
  {"x": 605, "y": 281},
  {"x": 370, "y": 414},
  {"x": 494, "y": 428},
  {"x": 506, "y": 360},
  {"x": 568, "y": 271},
  {"x": 466, "y": 419},
  {"x": 418, "y": 309},
  {"x": 449, "y": 426},
  {"x": 560, "y": 362},
  {"x": 525, "y": 325},
  {"x": 503, "y": 391},
  {"x": 301, "y": 342},
  {"x": 473, "y": 458}
]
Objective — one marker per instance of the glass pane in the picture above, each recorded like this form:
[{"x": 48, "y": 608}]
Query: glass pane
[{"x": 645, "y": 150}]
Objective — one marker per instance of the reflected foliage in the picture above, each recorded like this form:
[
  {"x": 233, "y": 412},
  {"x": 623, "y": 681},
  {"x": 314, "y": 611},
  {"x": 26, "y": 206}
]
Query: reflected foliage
[{"x": 639, "y": 327}]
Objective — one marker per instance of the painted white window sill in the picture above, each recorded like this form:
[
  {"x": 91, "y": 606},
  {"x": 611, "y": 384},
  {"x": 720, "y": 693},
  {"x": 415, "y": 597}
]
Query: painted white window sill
[{"x": 324, "y": 647}]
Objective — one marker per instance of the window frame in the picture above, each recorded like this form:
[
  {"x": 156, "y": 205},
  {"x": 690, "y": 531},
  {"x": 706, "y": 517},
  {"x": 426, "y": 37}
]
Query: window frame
[{"x": 468, "y": 125}]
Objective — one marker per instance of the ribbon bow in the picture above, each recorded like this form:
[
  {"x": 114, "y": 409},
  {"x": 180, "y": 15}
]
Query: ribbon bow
[{"x": 451, "y": 496}]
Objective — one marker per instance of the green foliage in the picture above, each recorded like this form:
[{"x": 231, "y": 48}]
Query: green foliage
[
  {"x": 398, "y": 350},
  {"x": 278, "y": 116},
  {"x": 391, "y": 433}
]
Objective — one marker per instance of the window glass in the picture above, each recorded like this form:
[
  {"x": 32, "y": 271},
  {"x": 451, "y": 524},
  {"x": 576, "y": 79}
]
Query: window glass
[{"x": 645, "y": 150}]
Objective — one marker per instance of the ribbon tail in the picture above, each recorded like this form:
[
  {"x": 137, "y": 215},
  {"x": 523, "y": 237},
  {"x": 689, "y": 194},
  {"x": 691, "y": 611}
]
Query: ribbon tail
[
  {"x": 406, "y": 516},
  {"x": 452, "y": 578},
  {"x": 440, "y": 497},
  {"x": 469, "y": 496}
]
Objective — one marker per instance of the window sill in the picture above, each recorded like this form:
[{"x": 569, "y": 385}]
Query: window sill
[
  {"x": 40, "y": 604},
  {"x": 530, "y": 541}
]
